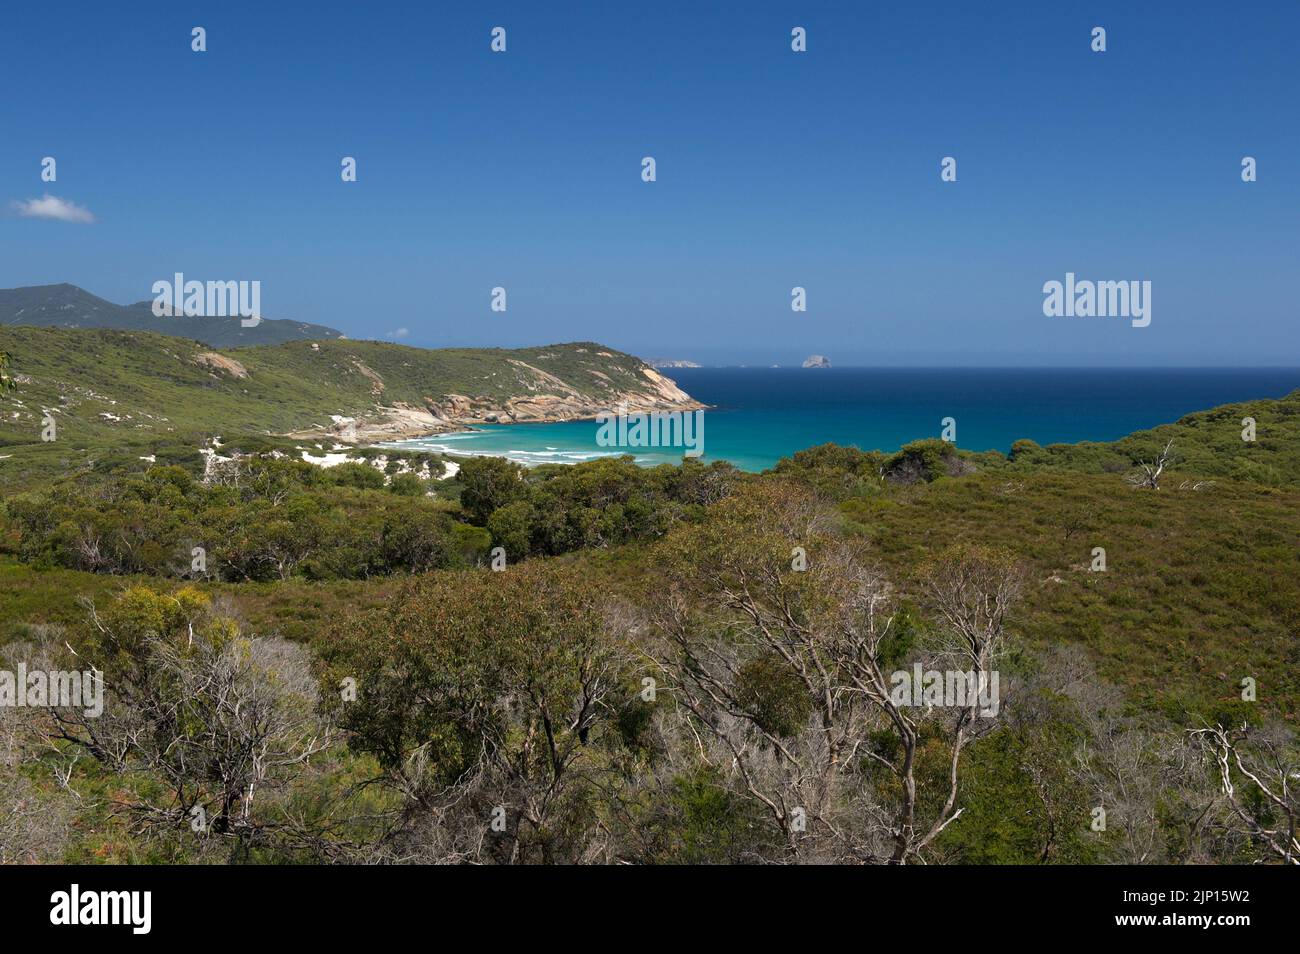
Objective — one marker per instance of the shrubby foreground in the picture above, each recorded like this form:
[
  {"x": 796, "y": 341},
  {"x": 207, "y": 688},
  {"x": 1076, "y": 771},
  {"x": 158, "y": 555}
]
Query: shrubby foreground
[{"x": 676, "y": 665}]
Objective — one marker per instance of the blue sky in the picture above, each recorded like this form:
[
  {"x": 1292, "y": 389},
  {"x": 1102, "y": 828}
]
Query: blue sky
[{"x": 775, "y": 169}]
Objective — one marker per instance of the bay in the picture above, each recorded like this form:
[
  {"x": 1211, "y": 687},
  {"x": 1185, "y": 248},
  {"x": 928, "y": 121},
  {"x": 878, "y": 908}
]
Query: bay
[{"x": 758, "y": 415}]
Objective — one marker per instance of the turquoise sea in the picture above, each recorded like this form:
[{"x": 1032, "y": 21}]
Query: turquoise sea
[{"x": 758, "y": 415}]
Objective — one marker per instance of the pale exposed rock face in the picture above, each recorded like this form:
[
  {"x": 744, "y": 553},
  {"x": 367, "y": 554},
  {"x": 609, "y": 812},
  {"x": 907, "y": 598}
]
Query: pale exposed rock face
[
  {"x": 548, "y": 399},
  {"x": 344, "y": 428},
  {"x": 399, "y": 422},
  {"x": 564, "y": 403},
  {"x": 219, "y": 362},
  {"x": 456, "y": 409},
  {"x": 668, "y": 390},
  {"x": 816, "y": 361},
  {"x": 387, "y": 424}
]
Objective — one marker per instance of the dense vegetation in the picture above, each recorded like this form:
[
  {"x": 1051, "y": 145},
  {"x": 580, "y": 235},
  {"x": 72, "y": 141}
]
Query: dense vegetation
[
  {"x": 556, "y": 508},
  {"x": 680, "y": 664},
  {"x": 269, "y": 520}
]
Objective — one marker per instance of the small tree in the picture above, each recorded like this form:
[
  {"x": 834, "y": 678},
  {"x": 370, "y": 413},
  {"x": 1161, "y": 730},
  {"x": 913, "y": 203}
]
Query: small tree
[
  {"x": 216, "y": 719},
  {"x": 1148, "y": 476},
  {"x": 1258, "y": 772},
  {"x": 489, "y": 483},
  {"x": 784, "y": 677},
  {"x": 488, "y": 701}
]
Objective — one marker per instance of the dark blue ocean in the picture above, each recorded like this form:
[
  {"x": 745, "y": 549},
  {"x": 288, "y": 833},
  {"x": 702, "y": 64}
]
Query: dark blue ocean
[{"x": 758, "y": 415}]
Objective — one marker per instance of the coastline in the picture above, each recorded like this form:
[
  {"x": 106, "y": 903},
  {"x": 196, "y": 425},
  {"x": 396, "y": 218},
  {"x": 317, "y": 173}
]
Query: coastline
[
  {"x": 457, "y": 412},
  {"x": 758, "y": 416}
]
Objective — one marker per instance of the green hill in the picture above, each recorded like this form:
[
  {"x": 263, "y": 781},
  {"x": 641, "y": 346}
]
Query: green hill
[
  {"x": 132, "y": 394},
  {"x": 1205, "y": 444},
  {"x": 67, "y": 306}
]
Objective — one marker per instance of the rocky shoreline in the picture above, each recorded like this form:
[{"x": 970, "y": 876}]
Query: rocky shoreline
[{"x": 455, "y": 412}]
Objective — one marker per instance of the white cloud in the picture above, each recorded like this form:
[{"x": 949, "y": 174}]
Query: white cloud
[
  {"x": 398, "y": 333},
  {"x": 52, "y": 207}
]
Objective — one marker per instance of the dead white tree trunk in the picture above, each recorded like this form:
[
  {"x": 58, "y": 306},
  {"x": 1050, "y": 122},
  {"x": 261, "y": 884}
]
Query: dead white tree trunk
[
  {"x": 1149, "y": 477},
  {"x": 1271, "y": 767}
]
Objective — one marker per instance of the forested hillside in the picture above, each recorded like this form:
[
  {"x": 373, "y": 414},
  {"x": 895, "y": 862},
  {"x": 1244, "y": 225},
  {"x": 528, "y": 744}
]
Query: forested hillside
[{"x": 611, "y": 664}]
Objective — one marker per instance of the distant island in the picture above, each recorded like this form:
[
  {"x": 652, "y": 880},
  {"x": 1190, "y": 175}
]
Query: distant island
[
  {"x": 671, "y": 363},
  {"x": 816, "y": 361}
]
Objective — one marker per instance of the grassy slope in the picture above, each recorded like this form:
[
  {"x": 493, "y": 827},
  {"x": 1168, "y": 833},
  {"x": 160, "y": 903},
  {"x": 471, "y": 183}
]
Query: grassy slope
[
  {"x": 1206, "y": 444},
  {"x": 1201, "y": 587},
  {"x": 166, "y": 400},
  {"x": 297, "y": 609},
  {"x": 414, "y": 375}
]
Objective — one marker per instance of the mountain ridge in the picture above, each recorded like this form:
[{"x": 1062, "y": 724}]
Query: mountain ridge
[{"x": 64, "y": 305}]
